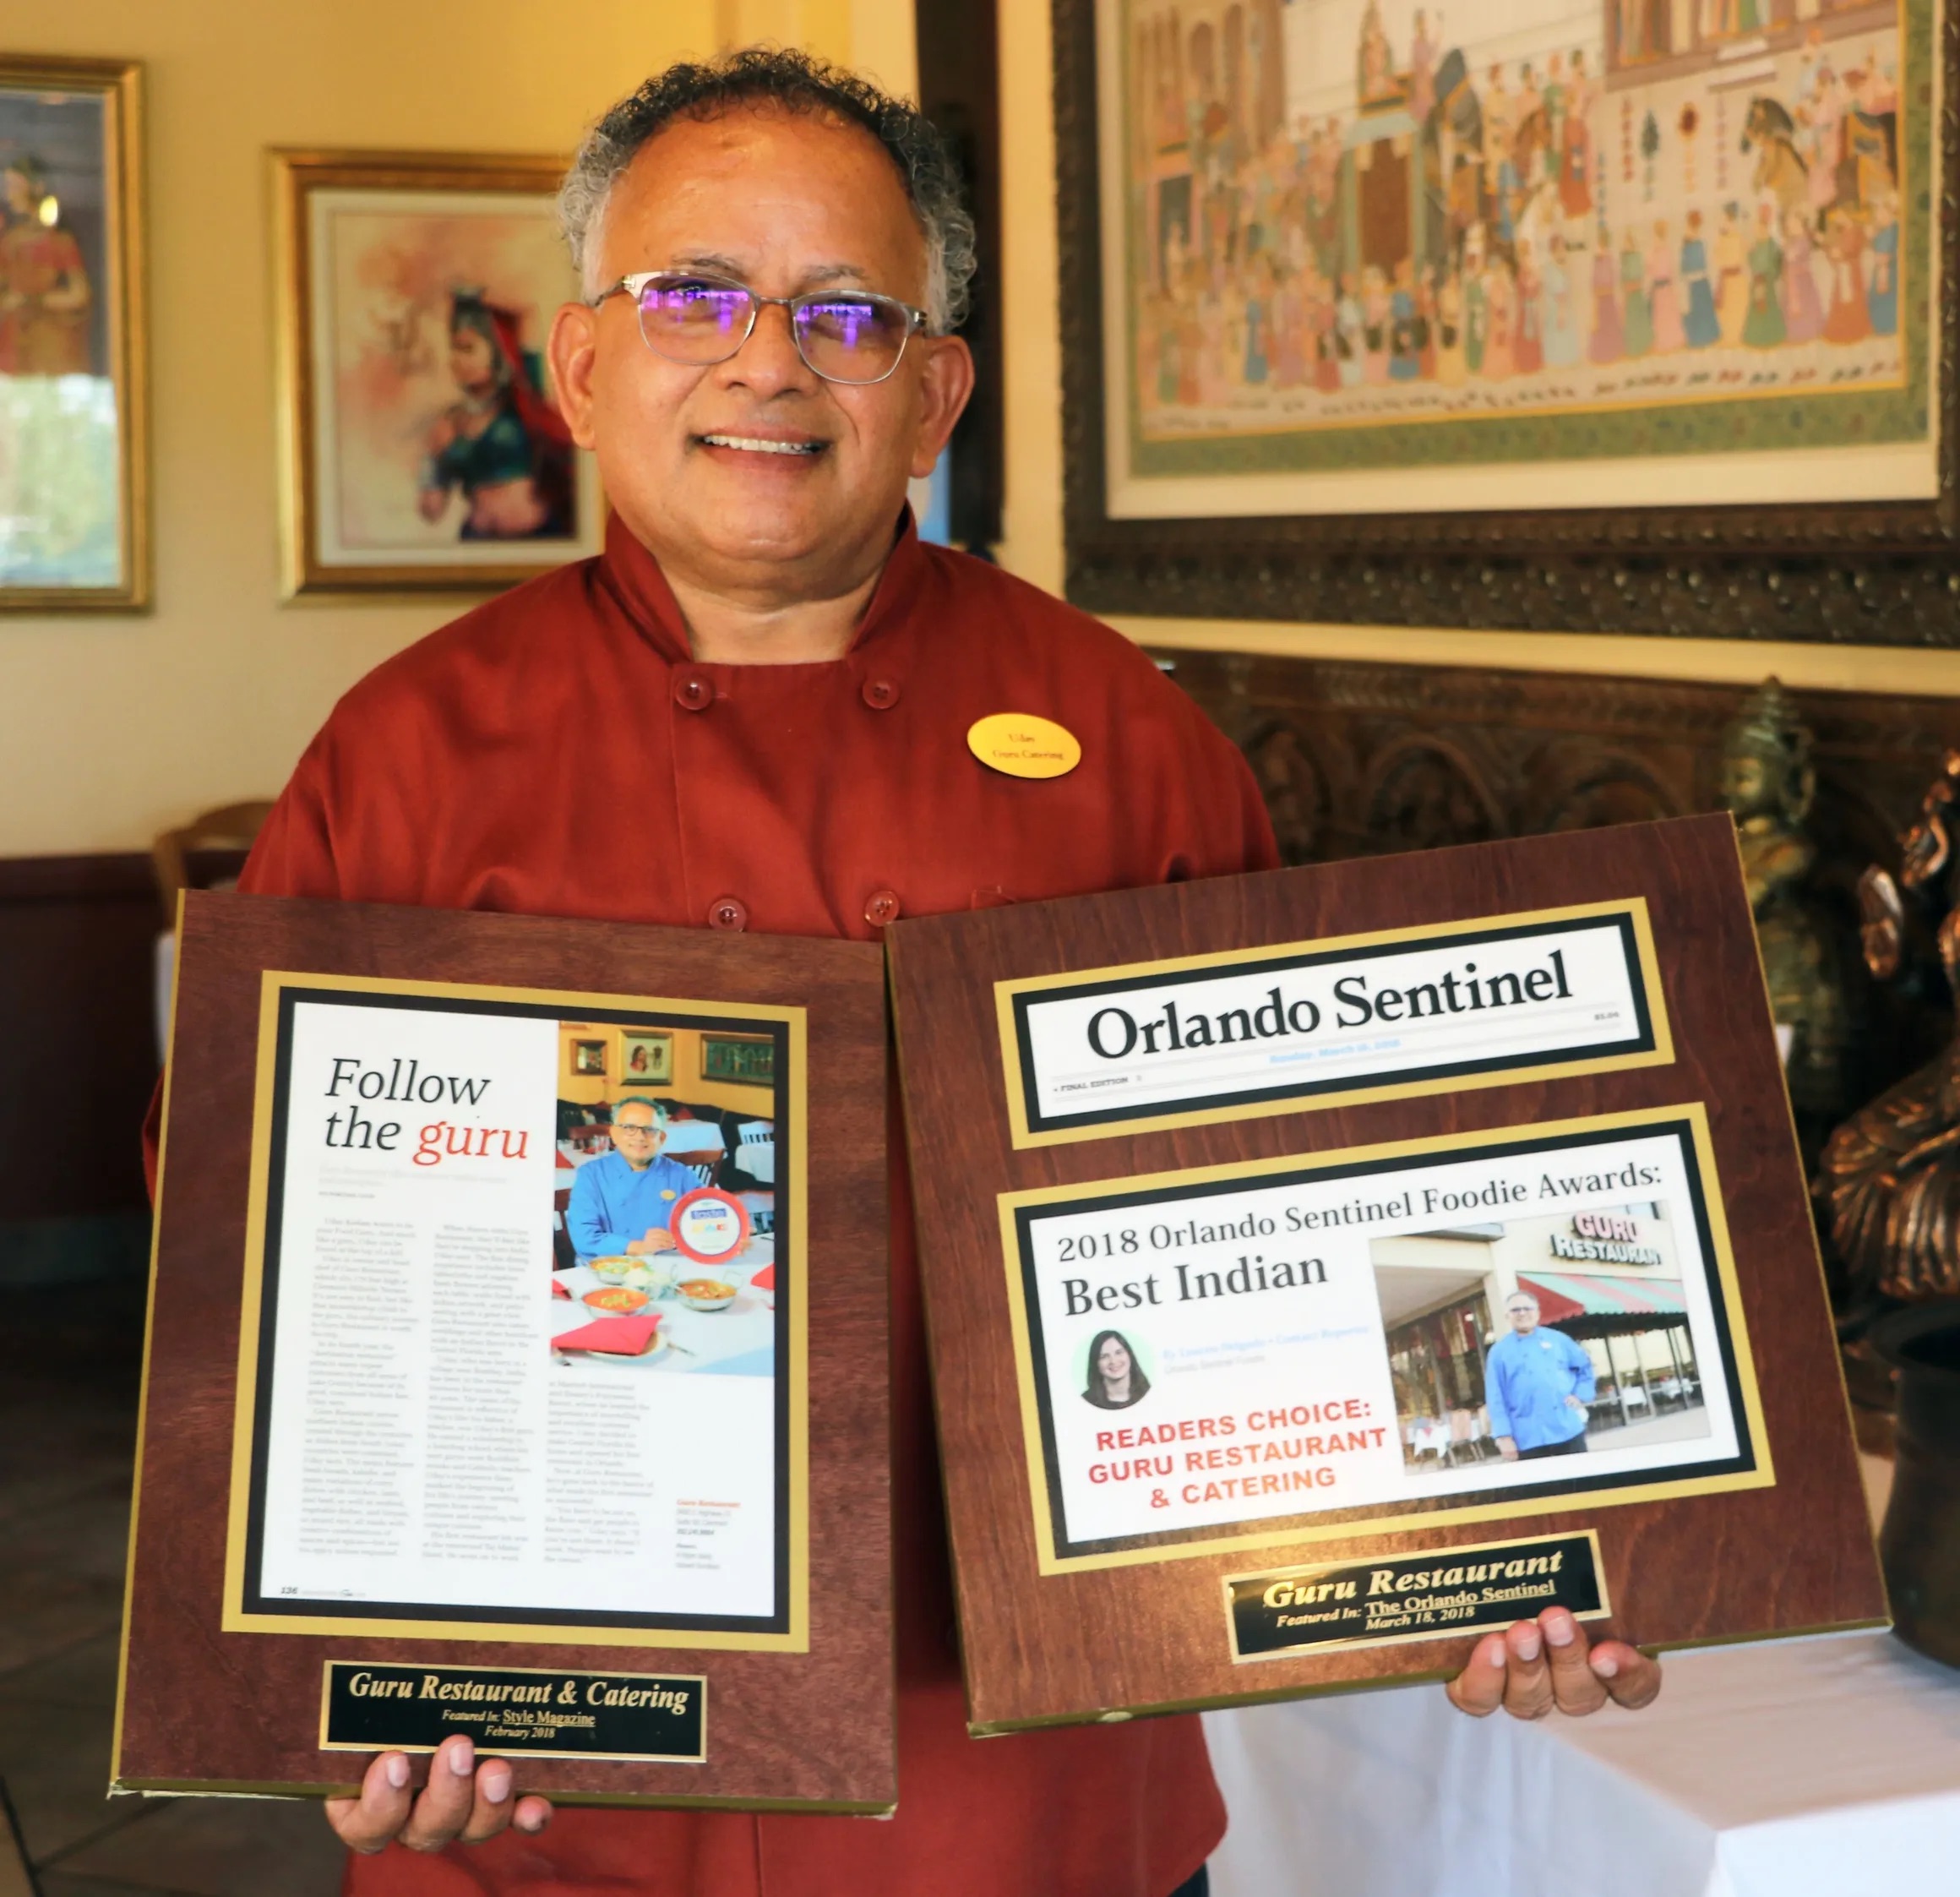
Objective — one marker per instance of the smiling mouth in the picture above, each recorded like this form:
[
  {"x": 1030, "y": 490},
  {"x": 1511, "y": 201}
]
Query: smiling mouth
[{"x": 757, "y": 445}]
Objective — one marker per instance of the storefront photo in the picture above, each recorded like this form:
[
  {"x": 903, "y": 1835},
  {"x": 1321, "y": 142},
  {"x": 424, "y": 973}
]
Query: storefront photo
[{"x": 1539, "y": 1336}]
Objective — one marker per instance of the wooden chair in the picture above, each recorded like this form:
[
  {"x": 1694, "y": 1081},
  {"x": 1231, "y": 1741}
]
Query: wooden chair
[
  {"x": 205, "y": 852},
  {"x": 209, "y": 850}
]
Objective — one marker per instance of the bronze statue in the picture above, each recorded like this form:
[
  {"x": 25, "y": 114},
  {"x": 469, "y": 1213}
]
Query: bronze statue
[
  {"x": 1890, "y": 1174},
  {"x": 1767, "y": 783}
]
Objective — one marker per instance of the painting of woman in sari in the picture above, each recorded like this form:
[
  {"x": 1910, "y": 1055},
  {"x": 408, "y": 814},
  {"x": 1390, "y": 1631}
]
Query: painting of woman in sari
[
  {"x": 501, "y": 445},
  {"x": 44, "y": 283},
  {"x": 73, "y": 421},
  {"x": 429, "y": 450}
]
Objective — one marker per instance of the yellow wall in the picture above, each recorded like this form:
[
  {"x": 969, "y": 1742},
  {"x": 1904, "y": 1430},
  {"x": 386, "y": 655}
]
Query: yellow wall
[
  {"x": 1033, "y": 543},
  {"x": 687, "y": 1084},
  {"x": 112, "y": 727}
]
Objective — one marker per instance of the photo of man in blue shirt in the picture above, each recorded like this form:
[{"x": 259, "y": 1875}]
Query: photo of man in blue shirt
[
  {"x": 1537, "y": 1384},
  {"x": 623, "y": 1201}
]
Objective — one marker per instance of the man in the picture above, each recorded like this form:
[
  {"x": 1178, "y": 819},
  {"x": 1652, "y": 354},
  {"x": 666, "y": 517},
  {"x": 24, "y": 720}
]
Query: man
[
  {"x": 1537, "y": 1384},
  {"x": 623, "y": 1201},
  {"x": 751, "y": 713}
]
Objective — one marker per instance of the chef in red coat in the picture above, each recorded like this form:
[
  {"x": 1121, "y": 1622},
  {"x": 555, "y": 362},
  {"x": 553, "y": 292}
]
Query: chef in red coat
[{"x": 750, "y": 712}]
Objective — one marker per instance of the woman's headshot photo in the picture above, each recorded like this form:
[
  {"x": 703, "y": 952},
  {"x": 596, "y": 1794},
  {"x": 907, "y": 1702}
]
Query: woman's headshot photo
[{"x": 1116, "y": 1378}]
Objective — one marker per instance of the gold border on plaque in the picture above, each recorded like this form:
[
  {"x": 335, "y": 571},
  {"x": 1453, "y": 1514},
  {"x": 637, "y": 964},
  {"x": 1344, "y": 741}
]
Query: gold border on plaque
[
  {"x": 143, "y": 1387},
  {"x": 1647, "y": 972},
  {"x": 611, "y": 1801},
  {"x": 1604, "y": 1611},
  {"x": 118, "y": 83},
  {"x": 700, "y": 1680},
  {"x": 1252, "y": 1534},
  {"x": 235, "y": 1620}
]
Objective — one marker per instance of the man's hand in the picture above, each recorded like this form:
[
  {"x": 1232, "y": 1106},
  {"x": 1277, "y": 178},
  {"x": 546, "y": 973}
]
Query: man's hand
[
  {"x": 462, "y": 1802},
  {"x": 1507, "y": 1447},
  {"x": 656, "y": 1240},
  {"x": 1576, "y": 1403},
  {"x": 1541, "y": 1666}
]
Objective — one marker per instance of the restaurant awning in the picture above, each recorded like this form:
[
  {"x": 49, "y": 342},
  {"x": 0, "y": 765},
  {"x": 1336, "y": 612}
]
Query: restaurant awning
[{"x": 1597, "y": 1305}]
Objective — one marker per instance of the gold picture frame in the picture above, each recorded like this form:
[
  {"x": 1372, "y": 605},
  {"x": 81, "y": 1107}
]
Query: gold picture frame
[
  {"x": 1279, "y": 408},
  {"x": 398, "y": 273},
  {"x": 738, "y": 1060},
  {"x": 646, "y": 1059},
  {"x": 72, "y": 244}
]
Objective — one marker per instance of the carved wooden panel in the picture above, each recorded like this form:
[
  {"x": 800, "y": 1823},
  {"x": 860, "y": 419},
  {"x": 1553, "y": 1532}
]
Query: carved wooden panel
[{"x": 1359, "y": 759}]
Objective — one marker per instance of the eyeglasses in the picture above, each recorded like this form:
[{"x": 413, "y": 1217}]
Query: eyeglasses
[
  {"x": 843, "y": 335},
  {"x": 646, "y": 1133}
]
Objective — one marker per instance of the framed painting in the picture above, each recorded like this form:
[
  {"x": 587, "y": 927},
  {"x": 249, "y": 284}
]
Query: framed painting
[
  {"x": 423, "y": 450},
  {"x": 646, "y": 1057},
  {"x": 73, "y": 414},
  {"x": 739, "y": 1057},
  {"x": 1622, "y": 316}
]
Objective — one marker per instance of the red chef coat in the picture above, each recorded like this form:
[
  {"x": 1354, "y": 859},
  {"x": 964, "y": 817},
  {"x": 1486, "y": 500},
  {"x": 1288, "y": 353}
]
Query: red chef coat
[{"x": 557, "y": 752}]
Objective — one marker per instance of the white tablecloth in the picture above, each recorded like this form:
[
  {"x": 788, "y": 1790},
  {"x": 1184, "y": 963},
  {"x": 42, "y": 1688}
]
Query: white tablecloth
[
  {"x": 694, "y": 1139},
  {"x": 1779, "y": 1770},
  {"x": 1788, "y": 1768},
  {"x": 741, "y": 1337}
]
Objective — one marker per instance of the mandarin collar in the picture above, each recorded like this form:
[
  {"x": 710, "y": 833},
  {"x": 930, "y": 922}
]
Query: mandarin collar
[
  {"x": 634, "y": 577},
  {"x": 899, "y": 587}
]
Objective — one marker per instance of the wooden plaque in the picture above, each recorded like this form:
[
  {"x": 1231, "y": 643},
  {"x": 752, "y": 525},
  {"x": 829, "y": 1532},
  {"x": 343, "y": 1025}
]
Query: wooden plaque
[
  {"x": 438, "y": 1433},
  {"x": 1263, "y": 1219}
]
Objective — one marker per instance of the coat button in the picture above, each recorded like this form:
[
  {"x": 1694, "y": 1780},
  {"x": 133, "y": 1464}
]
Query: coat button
[
  {"x": 692, "y": 692},
  {"x": 879, "y": 693},
  {"x": 880, "y": 906},
  {"x": 728, "y": 912}
]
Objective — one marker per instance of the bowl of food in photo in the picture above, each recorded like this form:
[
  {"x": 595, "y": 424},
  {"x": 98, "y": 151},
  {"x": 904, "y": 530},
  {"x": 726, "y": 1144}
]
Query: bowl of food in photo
[
  {"x": 705, "y": 1294},
  {"x": 616, "y": 1300},
  {"x": 612, "y": 1271}
]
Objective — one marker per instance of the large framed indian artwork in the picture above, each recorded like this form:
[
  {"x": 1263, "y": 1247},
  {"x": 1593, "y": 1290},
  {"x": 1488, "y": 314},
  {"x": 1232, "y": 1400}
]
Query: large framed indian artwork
[
  {"x": 74, "y": 510},
  {"x": 1597, "y": 315},
  {"x": 421, "y": 445}
]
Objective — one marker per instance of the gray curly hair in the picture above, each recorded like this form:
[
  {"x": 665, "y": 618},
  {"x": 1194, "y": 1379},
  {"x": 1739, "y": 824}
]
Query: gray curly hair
[{"x": 794, "y": 82}]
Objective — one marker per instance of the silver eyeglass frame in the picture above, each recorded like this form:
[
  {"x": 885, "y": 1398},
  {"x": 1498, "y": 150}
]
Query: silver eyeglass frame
[{"x": 634, "y": 285}]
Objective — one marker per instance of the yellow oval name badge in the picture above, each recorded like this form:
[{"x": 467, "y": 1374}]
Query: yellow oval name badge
[{"x": 1021, "y": 745}]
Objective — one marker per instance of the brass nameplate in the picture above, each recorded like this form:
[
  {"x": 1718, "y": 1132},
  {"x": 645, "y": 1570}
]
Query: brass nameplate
[
  {"x": 1427, "y": 1595},
  {"x": 373, "y": 1706}
]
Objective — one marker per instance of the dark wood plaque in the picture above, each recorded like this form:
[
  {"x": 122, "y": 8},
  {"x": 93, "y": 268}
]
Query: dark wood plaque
[
  {"x": 1444, "y": 1212},
  {"x": 426, "y": 1448}
]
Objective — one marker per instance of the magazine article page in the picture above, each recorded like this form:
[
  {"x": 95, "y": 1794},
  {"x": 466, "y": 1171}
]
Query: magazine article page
[{"x": 519, "y": 1343}]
